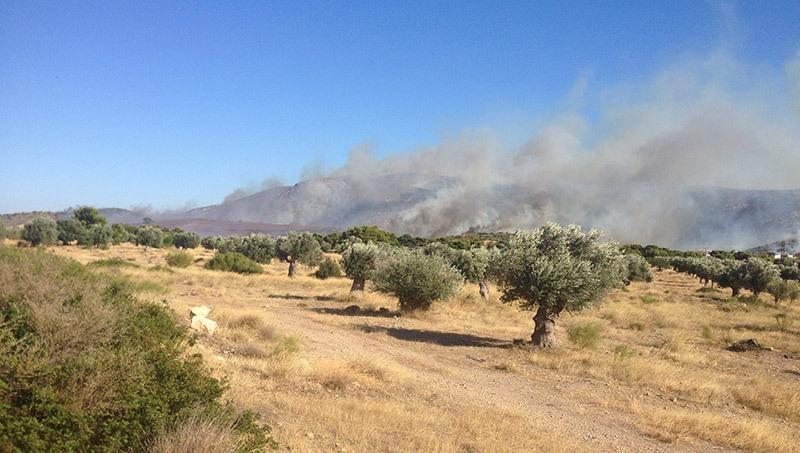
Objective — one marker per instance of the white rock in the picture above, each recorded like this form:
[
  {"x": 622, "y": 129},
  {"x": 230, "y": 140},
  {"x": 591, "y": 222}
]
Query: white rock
[
  {"x": 204, "y": 324},
  {"x": 201, "y": 311}
]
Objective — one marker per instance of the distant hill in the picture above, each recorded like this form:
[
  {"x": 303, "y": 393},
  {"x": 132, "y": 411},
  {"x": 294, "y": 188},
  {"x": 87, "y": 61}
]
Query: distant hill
[
  {"x": 437, "y": 205},
  {"x": 790, "y": 246}
]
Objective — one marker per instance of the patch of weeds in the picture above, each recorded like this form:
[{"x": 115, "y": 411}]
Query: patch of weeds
[
  {"x": 112, "y": 262},
  {"x": 637, "y": 326},
  {"x": 623, "y": 351},
  {"x": 648, "y": 299},
  {"x": 749, "y": 300},
  {"x": 161, "y": 268},
  {"x": 708, "y": 289},
  {"x": 784, "y": 322},
  {"x": 505, "y": 366},
  {"x": 707, "y": 333},
  {"x": 285, "y": 346},
  {"x": 585, "y": 335}
]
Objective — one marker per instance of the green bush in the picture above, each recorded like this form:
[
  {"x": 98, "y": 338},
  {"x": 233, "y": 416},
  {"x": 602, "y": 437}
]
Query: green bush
[
  {"x": 150, "y": 236},
  {"x": 585, "y": 335},
  {"x": 329, "y": 267},
  {"x": 62, "y": 347},
  {"x": 112, "y": 262},
  {"x": 185, "y": 240},
  {"x": 98, "y": 235},
  {"x": 417, "y": 279},
  {"x": 784, "y": 290},
  {"x": 180, "y": 259},
  {"x": 637, "y": 269},
  {"x": 89, "y": 216},
  {"x": 119, "y": 234},
  {"x": 2, "y": 231},
  {"x": 234, "y": 262},
  {"x": 41, "y": 231},
  {"x": 70, "y": 230}
]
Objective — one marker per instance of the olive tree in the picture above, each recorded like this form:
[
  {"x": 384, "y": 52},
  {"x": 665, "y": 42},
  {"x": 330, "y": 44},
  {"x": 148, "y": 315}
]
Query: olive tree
[
  {"x": 185, "y": 240},
  {"x": 637, "y": 269},
  {"x": 784, "y": 290},
  {"x": 474, "y": 266},
  {"x": 298, "y": 248},
  {"x": 70, "y": 230},
  {"x": 258, "y": 247},
  {"x": 97, "y": 235},
  {"x": 759, "y": 274},
  {"x": 732, "y": 276},
  {"x": 416, "y": 279},
  {"x": 89, "y": 216},
  {"x": 555, "y": 269},
  {"x": 660, "y": 262},
  {"x": 119, "y": 234},
  {"x": 360, "y": 261},
  {"x": 2, "y": 231},
  {"x": 150, "y": 236},
  {"x": 41, "y": 231}
]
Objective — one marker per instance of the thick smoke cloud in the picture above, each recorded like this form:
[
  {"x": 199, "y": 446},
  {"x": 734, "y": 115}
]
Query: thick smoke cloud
[
  {"x": 711, "y": 122},
  {"x": 269, "y": 183}
]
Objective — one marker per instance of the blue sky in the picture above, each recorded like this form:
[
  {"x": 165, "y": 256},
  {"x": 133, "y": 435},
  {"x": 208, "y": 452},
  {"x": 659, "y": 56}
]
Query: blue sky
[{"x": 122, "y": 103}]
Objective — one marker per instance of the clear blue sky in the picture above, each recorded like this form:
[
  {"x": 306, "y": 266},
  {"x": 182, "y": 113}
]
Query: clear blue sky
[{"x": 118, "y": 103}]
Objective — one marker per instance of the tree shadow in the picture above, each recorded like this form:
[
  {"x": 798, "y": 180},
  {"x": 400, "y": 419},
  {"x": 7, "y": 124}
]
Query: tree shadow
[
  {"x": 355, "y": 310},
  {"x": 299, "y": 297},
  {"x": 448, "y": 339}
]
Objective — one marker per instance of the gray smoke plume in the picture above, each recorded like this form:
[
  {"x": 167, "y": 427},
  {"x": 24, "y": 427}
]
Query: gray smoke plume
[
  {"x": 640, "y": 161},
  {"x": 251, "y": 189},
  {"x": 711, "y": 122}
]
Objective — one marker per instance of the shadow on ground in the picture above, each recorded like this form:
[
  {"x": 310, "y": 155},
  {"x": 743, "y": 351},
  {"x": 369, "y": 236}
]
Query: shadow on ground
[
  {"x": 436, "y": 337},
  {"x": 354, "y": 310},
  {"x": 299, "y": 297}
]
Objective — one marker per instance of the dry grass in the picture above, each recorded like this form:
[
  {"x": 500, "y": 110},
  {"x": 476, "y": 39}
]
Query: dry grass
[
  {"x": 199, "y": 434},
  {"x": 663, "y": 346}
]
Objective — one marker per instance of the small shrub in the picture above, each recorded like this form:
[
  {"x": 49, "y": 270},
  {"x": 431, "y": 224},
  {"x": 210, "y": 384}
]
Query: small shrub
[
  {"x": 585, "y": 335},
  {"x": 784, "y": 322},
  {"x": 285, "y": 347},
  {"x": 623, "y": 351},
  {"x": 180, "y": 259},
  {"x": 112, "y": 262},
  {"x": 648, "y": 299},
  {"x": 708, "y": 333},
  {"x": 417, "y": 279},
  {"x": 234, "y": 262},
  {"x": 246, "y": 322},
  {"x": 328, "y": 268},
  {"x": 784, "y": 290},
  {"x": 637, "y": 326}
]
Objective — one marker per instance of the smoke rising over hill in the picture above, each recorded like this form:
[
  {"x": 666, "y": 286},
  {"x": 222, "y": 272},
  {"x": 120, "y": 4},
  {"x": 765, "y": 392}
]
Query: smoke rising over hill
[
  {"x": 710, "y": 122},
  {"x": 632, "y": 166}
]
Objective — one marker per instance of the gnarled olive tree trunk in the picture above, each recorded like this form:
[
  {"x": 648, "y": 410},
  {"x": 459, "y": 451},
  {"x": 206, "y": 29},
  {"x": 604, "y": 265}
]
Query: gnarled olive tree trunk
[
  {"x": 292, "y": 265},
  {"x": 358, "y": 284},
  {"x": 544, "y": 327},
  {"x": 484, "y": 289}
]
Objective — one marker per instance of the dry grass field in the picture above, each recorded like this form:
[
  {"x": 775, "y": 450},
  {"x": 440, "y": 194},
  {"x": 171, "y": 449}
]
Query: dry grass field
[{"x": 647, "y": 371}]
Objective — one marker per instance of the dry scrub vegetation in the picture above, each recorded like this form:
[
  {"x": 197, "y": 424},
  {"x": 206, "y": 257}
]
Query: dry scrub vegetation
[{"x": 647, "y": 371}]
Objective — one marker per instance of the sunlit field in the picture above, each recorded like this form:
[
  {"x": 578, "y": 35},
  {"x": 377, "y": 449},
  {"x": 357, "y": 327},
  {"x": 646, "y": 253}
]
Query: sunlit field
[{"x": 649, "y": 370}]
